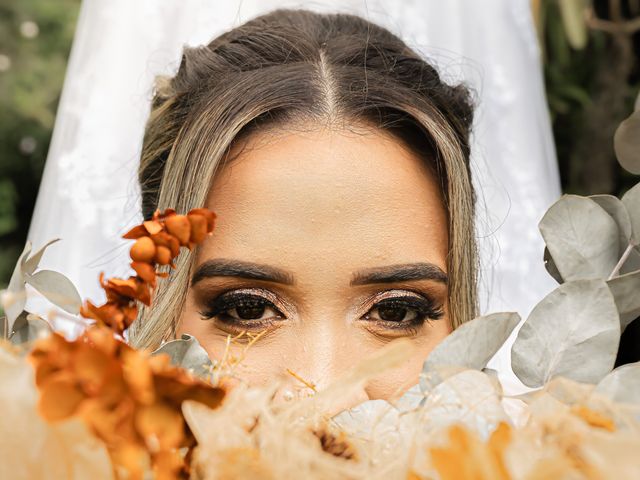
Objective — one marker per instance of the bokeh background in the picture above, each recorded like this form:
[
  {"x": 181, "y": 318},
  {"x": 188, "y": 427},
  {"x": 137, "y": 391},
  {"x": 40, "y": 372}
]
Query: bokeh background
[{"x": 590, "y": 51}]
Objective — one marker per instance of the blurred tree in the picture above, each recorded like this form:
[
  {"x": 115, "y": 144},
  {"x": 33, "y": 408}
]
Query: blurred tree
[
  {"x": 591, "y": 54},
  {"x": 35, "y": 39}
]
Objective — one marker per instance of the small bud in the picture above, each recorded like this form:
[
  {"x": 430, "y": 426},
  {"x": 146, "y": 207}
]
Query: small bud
[
  {"x": 163, "y": 256},
  {"x": 198, "y": 227},
  {"x": 143, "y": 250},
  {"x": 180, "y": 227}
]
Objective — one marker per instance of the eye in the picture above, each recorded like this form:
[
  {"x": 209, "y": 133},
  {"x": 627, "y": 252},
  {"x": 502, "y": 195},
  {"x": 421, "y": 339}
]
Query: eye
[
  {"x": 242, "y": 308},
  {"x": 403, "y": 311}
]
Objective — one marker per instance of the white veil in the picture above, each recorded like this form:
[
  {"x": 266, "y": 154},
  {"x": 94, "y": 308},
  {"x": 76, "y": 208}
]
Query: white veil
[{"x": 89, "y": 196}]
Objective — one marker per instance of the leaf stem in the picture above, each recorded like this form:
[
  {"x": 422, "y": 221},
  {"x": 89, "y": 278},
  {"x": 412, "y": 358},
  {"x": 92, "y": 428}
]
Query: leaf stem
[{"x": 620, "y": 263}]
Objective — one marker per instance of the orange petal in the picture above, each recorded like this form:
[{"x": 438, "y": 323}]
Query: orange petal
[
  {"x": 160, "y": 425},
  {"x": 130, "y": 313},
  {"x": 152, "y": 226},
  {"x": 90, "y": 366},
  {"x": 132, "y": 457},
  {"x": 109, "y": 314},
  {"x": 59, "y": 399},
  {"x": 143, "y": 250},
  {"x": 143, "y": 293},
  {"x": 102, "y": 338},
  {"x": 198, "y": 227},
  {"x": 119, "y": 286},
  {"x": 180, "y": 227},
  {"x": 208, "y": 214},
  {"x": 593, "y": 418},
  {"x": 136, "y": 232},
  {"x": 168, "y": 212},
  {"x": 169, "y": 241},
  {"x": 138, "y": 376},
  {"x": 145, "y": 271},
  {"x": 167, "y": 465},
  {"x": 163, "y": 256}
]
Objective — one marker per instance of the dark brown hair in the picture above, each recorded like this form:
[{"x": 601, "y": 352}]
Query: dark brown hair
[{"x": 289, "y": 67}]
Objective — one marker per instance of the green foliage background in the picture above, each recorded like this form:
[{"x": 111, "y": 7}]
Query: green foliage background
[
  {"x": 31, "y": 75},
  {"x": 590, "y": 90}
]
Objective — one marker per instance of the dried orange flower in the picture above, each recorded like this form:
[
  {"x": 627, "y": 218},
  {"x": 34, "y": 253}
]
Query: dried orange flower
[
  {"x": 157, "y": 242},
  {"x": 467, "y": 457},
  {"x": 593, "y": 418},
  {"x": 129, "y": 399}
]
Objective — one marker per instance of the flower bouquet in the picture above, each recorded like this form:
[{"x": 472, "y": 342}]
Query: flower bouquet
[{"x": 94, "y": 407}]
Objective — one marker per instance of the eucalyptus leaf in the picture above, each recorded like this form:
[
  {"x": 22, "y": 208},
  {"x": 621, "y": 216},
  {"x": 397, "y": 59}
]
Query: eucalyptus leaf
[
  {"x": 626, "y": 292},
  {"x": 551, "y": 267},
  {"x": 435, "y": 375},
  {"x": 470, "y": 398},
  {"x": 473, "y": 343},
  {"x": 410, "y": 400},
  {"x": 626, "y": 143},
  {"x": 57, "y": 288},
  {"x": 622, "y": 385},
  {"x": 373, "y": 417},
  {"x": 633, "y": 262},
  {"x": 614, "y": 207},
  {"x": 573, "y": 332},
  {"x": 15, "y": 298},
  {"x": 30, "y": 264},
  {"x": 27, "y": 328},
  {"x": 187, "y": 353},
  {"x": 582, "y": 238},
  {"x": 631, "y": 201}
]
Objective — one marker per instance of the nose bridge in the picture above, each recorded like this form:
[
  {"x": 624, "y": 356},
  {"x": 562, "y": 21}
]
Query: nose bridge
[{"x": 322, "y": 347}]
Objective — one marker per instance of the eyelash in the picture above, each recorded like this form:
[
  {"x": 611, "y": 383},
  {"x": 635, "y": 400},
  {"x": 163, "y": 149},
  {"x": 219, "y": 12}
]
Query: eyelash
[
  {"x": 424, "y": 308},
  {"x": 228, "y": 301}
]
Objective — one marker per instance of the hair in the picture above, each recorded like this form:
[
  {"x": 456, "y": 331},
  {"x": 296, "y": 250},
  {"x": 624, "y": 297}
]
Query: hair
[{"x": 288, "y": 67}]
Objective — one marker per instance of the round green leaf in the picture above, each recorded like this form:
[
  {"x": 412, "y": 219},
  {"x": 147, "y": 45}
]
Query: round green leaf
[
  {"x": 631, "y": 201},
  {"x": 57, "y": 288},
  {"x": 473, "y": 343},
  {"x": 30, "y": 264},
  {"x": 573, "y": 332},
  {"x": 626, "y": 143},
  {"x": 626, "y": 292},
  {"x": 622, "y": 385},
  {"x": 614, "y": 207},
  {"x": 187, "y": 353},
  {"x": 582, "y": 238},
  {"x": 551, "y": 267}
]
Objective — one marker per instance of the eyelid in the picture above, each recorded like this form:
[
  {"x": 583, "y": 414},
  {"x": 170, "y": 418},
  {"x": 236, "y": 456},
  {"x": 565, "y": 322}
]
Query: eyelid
[
  {"x": 278, "y": 303},
  {"x": 395, "y": 293}
]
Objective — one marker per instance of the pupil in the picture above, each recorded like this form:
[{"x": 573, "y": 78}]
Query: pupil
[
  {"x": 392, "y": 314},
  {"x": 250, "y": 312}
]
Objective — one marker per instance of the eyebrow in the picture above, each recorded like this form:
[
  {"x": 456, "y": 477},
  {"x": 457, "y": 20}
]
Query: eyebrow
[
  {"x": 257, "y": 271},
  {"x": 399, "y": 273},
  {"x": 238, "y": 268}
]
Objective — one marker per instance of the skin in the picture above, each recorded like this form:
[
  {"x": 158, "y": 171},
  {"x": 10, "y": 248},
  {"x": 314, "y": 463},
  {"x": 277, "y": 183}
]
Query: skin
[{"x": 321, "y": 204}]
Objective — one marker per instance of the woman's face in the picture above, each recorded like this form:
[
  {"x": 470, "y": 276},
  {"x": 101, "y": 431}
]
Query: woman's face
[{"x": 328, "y": 244}]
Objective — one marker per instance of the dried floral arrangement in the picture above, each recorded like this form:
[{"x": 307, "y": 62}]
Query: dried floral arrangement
[{"x": 93, "y": 407}]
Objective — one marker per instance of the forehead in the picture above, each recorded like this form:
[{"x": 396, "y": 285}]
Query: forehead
[{"x": 357, "y": 196}]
